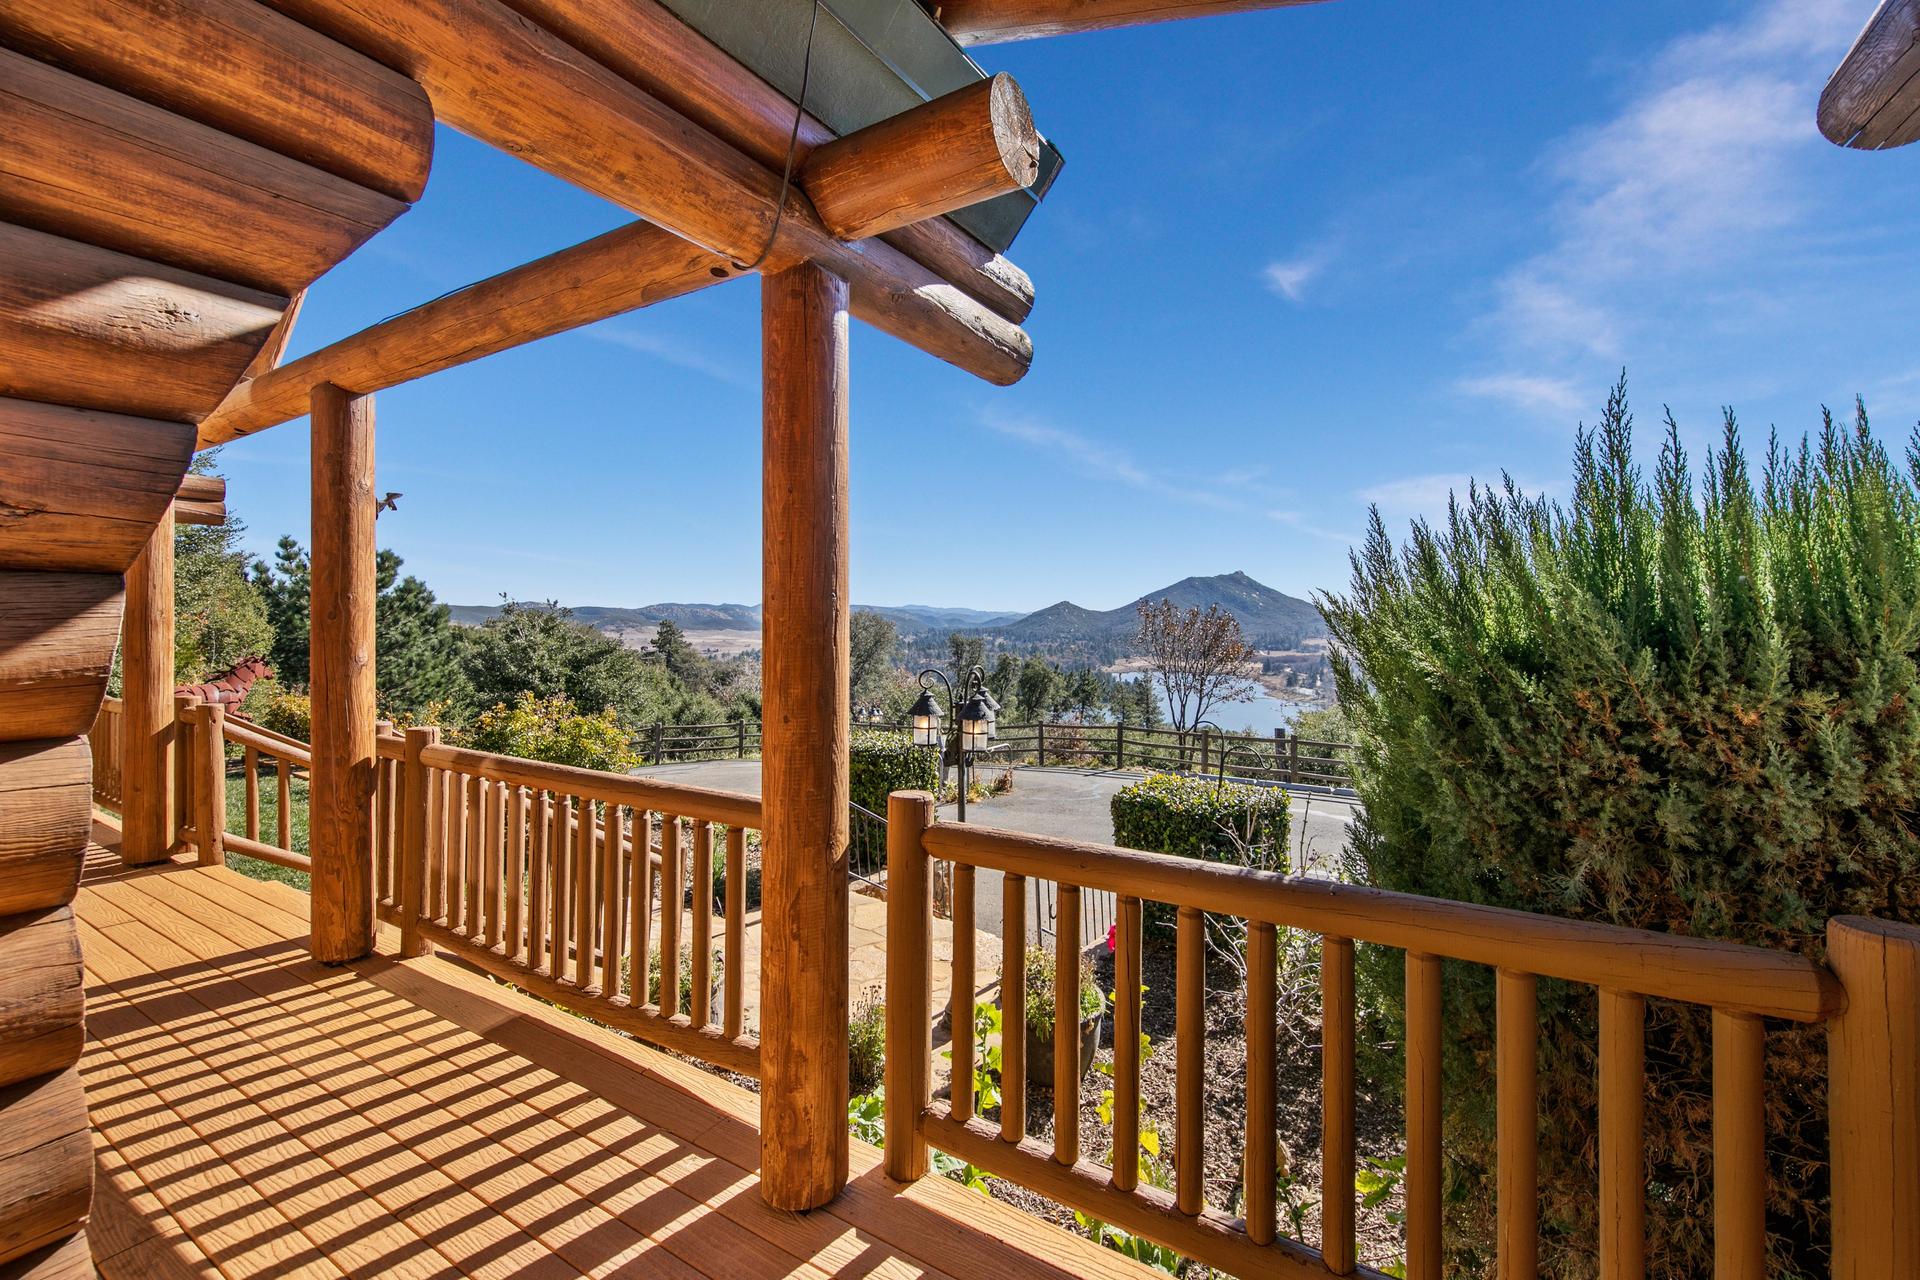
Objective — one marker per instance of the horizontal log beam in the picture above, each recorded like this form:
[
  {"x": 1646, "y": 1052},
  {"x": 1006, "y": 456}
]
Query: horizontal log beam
[
  {"x": 86, "y": 326},
  {"x": 1873, "y": 100},
  {"x": 494, "y": 75},
  {"x": 970, "y": 145},
  {"x": 200, "y": 500},
  {"x": 646, "y": 44},
  {"x": 91, "y": 164},
  {"x": 625, "y": 269},
  {"x": 245, "y": 70},
  {"x": 972, "y": 22},
  {"x": 41, "y": 986}
]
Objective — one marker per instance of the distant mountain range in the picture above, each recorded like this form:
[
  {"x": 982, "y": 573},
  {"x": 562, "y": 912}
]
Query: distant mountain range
[
  {"x": 1264, "y": 614},
  {"x": 908, "y": 618}
]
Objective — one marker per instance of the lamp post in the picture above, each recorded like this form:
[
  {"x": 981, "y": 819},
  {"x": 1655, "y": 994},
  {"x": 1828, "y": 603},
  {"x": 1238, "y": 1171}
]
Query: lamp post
[{"x": 974, "y": 716}]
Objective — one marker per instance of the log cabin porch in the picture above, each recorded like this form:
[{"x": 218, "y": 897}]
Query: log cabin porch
[
  {"x": 270, "y": 1084},
  {"x": 256, "y": 1113}
]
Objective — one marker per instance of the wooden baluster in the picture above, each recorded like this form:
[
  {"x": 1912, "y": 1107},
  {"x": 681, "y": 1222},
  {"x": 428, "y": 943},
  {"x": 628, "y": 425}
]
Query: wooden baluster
[
  {"x": 1013, "y": 1008},
  {"x": 1623, "y": 1106},
  {"x": 475, "y": 835},
  {"x": 539, "y": 826},
  {"x": 702, "y": 1012},
  {"x": 1126, "y": 1045},
  {"x": 415, "y": 827},
  {"x": 1066, "y": 1025},
  {"x": 1517, "y": 1127},
  {"x": 612, "y": 844},
  {"x": 736, "y": 945},
  {"x": 672, "y": 889},
  {"x": 1739, "y": 1147},
  {"x": 559, "y": 839},
  {"x": 1337, "y": 1249},
  {"x": 433, "y": 905},
  {"x": 283, "y": 802},
  {"x": 493, "y": 871},
  {"x": 456, "y": 791},
  {"x": 909, "y": 1049},
  {"x": 585, "y": 829},
  {"x": 961, "y": 996},
  {"x": 516, "y": 872},
  {"x": 250, "y": 764},
  {"x": 640, "y": 905},
  {"x": 1190, "y": 1061},
  {"x": 1261, "y": 1158},
  {"x": 383, "y": 778},
  {"x": 1423, "y": 1117}
]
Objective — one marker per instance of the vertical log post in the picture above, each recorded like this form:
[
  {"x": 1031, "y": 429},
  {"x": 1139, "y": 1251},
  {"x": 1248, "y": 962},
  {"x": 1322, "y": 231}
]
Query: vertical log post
[
  {"x": 340, "y": 816},
  {"x": 147, "y": 716},
  {"x": 1874, "y": 1098},
  {"x": 210, "y": 783},
  {"x": 803, "y": 975},
  {"x": 417, "y": 795},
  {"x": 909, "y": 983}
]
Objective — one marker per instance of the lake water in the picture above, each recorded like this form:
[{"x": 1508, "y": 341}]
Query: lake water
[{"x": 1262, "y": 715}]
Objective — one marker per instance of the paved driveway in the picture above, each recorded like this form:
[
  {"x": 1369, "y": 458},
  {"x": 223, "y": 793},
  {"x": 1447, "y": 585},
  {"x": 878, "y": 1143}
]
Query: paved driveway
[{"x": 1074, "y": 804}]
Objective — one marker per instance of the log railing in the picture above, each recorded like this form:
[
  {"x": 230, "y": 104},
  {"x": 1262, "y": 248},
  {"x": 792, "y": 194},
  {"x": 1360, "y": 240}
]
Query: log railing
[
  {"x": 574, "y": 885},
  {"x": 106, "y": 741},
  {"x": 1742, "y": 985}
]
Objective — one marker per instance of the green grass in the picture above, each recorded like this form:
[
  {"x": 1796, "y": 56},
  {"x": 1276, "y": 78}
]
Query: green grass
[{"x": 254, "y": 868}]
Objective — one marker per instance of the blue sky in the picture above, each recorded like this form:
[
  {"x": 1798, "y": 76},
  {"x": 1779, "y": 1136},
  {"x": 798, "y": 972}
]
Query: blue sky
[{"x": 1298, "y": 262}]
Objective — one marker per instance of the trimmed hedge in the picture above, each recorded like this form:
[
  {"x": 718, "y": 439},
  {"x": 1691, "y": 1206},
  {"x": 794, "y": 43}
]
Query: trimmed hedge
[
  {"x": 1201, "y": 818},
  {"x": 882, "y": 761}
]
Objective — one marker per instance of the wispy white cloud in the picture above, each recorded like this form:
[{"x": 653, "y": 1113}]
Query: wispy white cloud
[
  {"x": 1297, "y": 521},
  {"x": 1100, "y": 459},
  {"x": 673, "y": 350},
  {"x": 1426, "y": 496},
  {"x": 1689, "y": 177},
  {"x": 1530, "y": 392},
  {"x": 1415, "y": 495},
  {"x": 1289, "y": 277}
]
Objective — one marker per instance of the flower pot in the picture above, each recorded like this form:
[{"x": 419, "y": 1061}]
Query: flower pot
[{"x": 1040, "y": 1050}]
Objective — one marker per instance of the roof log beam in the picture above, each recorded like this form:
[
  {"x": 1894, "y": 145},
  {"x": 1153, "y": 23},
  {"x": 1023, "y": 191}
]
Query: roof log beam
[
  {"x": 972, "y": 22},
  {"x": 970, "y": 145},
  {"x": 623, "y": 270},
  {"x": 493, "y": 74},
  {"x": 648, "y": 46}
]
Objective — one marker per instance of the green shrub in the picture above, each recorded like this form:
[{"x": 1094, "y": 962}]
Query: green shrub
[
  {"x": 882, "y": 761},
  {"x": 272, "y": 705},
  {"x": 866, "y": 1044},
  {"x": 1694, "y": 712},
  {"x": 1201, "y": 818},
  {"x": 1040, "y": 1005},
  {"x": 554, "y": 730}
]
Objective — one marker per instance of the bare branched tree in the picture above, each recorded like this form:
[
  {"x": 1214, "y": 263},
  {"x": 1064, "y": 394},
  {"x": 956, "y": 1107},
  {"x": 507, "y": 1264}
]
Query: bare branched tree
[{"x": 1199, "y": 658}]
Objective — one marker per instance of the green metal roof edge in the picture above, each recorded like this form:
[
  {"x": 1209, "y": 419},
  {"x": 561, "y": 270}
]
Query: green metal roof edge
[{"x": 872, "y": 59}]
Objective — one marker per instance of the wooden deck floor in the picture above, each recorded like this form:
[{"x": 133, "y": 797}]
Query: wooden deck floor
[{"x": 257, "y": 1114}]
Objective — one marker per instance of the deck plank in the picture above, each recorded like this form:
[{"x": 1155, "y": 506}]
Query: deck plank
[{"x": 262, "y": 1114}]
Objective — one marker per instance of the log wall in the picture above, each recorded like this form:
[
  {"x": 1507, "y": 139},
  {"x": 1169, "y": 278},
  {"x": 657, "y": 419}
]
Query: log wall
[{"x": 173, "y": 175}]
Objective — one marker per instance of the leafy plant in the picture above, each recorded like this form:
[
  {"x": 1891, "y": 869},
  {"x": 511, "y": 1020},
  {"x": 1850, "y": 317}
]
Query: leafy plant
[
  {"x": 554, "y": 730},
  {"x": 1685, "y": 701},
  {"x": 1040, "y": 1000},
  {"x": 880, "y": 761},
  {"x": 866, "y": 1044},
  {"x": 1202, "y": 818},
  {"x": 867, "y": 1117}
]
